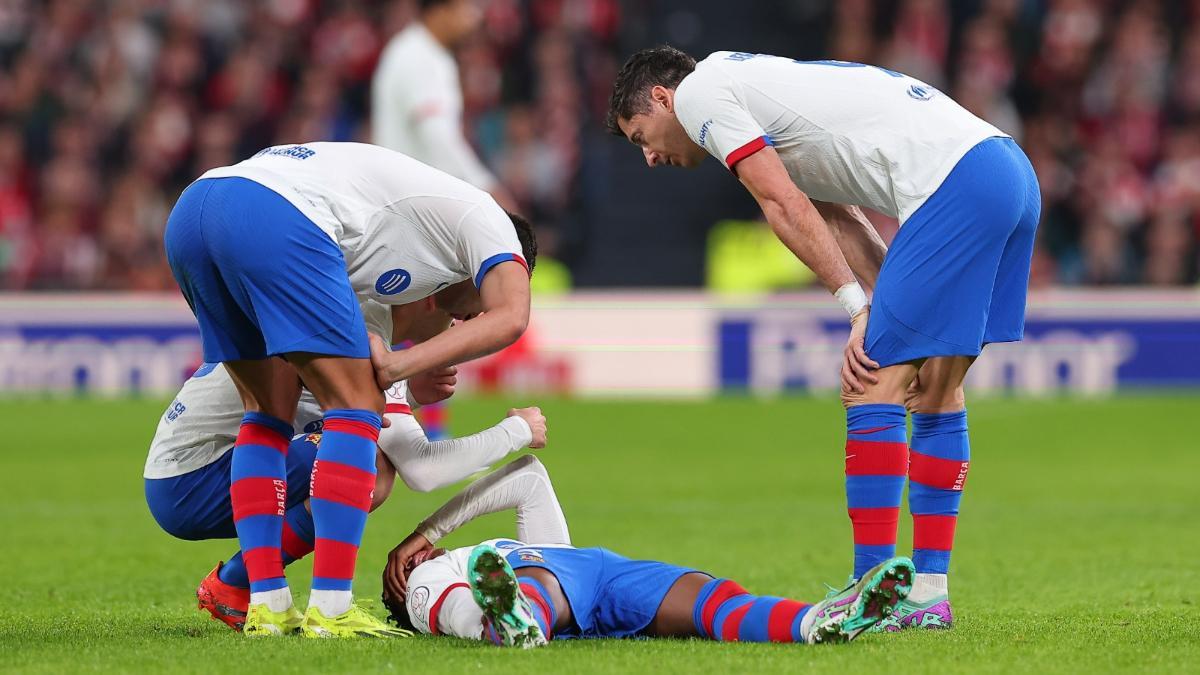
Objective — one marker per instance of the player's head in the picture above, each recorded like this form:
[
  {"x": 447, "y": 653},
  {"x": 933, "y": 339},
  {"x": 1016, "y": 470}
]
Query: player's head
[
  {"x": 451, "y": 20},
  {"x": 427, "y": 581},
  {"x": 642, "y": 107}
]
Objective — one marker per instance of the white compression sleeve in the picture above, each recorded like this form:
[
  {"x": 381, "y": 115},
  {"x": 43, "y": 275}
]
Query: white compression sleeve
[
  {"x": 523, "y": 485},
  {"x": 426, "y": 465}
]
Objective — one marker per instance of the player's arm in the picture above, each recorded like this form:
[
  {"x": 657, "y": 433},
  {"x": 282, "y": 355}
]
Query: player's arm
[
  {"x": 856, "y": 237},
  {"x": 504, "y": 294},
  {"x": 522, "y": 485},
  {"x": 426, "y": 465},
  {"x": 799, "y": 225}
]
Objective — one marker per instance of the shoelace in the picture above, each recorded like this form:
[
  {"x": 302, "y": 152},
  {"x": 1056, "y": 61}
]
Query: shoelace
[{"x": 835, "y": 591}]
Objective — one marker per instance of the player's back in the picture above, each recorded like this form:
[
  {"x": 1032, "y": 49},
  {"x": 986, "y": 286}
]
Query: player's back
[
  {"x": 847, "y": 132},
  {"x": 404, "y": 228},
  {"x": 201, "y": 423}
]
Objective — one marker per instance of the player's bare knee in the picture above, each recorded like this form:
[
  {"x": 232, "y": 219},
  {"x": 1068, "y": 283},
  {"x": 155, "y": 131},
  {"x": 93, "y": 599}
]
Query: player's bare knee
[{"x": 385, "y": 480}]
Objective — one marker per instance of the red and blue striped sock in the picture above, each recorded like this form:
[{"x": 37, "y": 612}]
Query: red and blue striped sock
[
  {"x": 726, "y": 612},
  {"x": 258, "y": 492},
  {"x": 343, "y": 479},
  {"x": 876, "y": 465},
  {"x": 941, "y": 453},
  {"x": 543, "y": 609},
  {"x": 297, "y": 542}
]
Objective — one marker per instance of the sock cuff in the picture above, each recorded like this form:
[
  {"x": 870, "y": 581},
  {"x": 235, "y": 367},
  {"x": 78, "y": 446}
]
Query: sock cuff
[
  {"x": 939, "y": 423},
  {"x": 541, "y": 600},
  {"x": 712, "y": 595},
  {"x": 354, "y": 415},
  {"x": 275, "y": 424},
  {"x": 873, "y": 414}
]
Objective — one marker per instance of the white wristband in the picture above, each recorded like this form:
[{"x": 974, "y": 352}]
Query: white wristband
[{"x": 852, "y": 297}]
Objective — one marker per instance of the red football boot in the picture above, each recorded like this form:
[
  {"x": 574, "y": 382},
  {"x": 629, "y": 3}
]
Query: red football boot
[{"x": 227, "y": 604}]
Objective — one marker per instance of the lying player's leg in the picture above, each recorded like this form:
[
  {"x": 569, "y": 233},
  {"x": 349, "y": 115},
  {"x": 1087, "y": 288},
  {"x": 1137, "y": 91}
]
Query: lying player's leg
[{"x": 720, "y": 609}]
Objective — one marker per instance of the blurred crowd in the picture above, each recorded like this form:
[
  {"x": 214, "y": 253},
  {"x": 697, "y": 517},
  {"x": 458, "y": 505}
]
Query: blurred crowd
[{"x": 109, "y": 108}]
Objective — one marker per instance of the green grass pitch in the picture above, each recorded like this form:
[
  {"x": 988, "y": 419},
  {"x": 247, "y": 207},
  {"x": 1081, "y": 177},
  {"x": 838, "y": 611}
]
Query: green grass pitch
[{"x": 1078, "y": 547}]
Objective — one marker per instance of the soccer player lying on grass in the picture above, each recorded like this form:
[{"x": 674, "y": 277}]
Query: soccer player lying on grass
[
  {"x": 524, "y": 592},
  {"x": 188, "y": 468}
]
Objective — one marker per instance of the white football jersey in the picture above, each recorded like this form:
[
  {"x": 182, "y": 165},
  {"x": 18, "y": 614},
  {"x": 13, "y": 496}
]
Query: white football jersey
[
  {"x": 847, "y": 133},
  {"x": 201, "y": 423},
  {"x": 406, "y": 230},
  {"x": 417, "y": 106}
]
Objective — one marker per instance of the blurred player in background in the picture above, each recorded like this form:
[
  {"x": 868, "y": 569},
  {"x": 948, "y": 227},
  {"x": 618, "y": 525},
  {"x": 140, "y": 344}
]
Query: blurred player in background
[
  {"x": 417, "y": 107},
  {"x": 562, "y": 592},
  {"x": 812, "y": 141},
  {"x": 274, "y": 255},
  {"x": 187, "y": 472}
]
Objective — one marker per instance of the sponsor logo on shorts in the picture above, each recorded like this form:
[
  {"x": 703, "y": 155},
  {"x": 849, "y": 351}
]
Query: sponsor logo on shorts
[
  {"x": 314, "y": 426},
  {"x": 393, "y": 281},
  {"x": 531, "y": 555}
]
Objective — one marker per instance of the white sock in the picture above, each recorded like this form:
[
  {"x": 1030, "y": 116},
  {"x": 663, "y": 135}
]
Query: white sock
[
  {"x": 929, "y": 586},
  {"x": 331, "y": 603},
  {"x": 276, "y": 600}
]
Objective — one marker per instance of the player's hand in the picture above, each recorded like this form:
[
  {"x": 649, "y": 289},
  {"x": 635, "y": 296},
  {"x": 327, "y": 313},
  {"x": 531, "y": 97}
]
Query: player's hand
[
  {"x": 395, "y": 574},
  {"x": 537, "y": 424},
  {"x": 857, "y": 366},
  {"x": 433, "y": 385},
  {"x": 379, "y": 361}
]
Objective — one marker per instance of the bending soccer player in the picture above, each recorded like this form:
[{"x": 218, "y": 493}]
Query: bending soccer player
[
  {"x": 274, "y": 255},
  {"x": 813, "y": 141},
  {"x": 523, "y": 592},
  {"x": 187, "y": 470}
]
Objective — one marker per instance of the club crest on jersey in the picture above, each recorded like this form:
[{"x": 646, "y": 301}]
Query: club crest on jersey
[
  {"x": 417, "y": 599},
  {"x": 393, "y": 281},
  {"x": 922, "y": 92}
]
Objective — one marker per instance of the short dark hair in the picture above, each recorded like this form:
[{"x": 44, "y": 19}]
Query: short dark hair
[
  {"x": 398, "y": 612},
  {"x": 527, "y": 238},
  {"x": 657, "y": 66},
  {"x": 426, "y": 5}
]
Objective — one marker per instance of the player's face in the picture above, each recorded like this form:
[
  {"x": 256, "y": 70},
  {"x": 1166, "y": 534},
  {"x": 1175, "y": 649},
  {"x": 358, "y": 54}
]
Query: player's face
[
  {"x": 463, "y": 18},
  {"x": 660, "y": 135},
  {"x": 460, "y": 301}
]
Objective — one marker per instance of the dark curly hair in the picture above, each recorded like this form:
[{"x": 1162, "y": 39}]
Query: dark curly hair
[
  {"x": 656, "y": 66},
  {"x": 527, "y": 238},
  {"x": 398, "y": 612}
]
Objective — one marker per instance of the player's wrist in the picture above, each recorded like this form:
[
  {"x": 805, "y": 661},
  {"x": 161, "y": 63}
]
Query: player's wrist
[{"x": 853, "y": 299}]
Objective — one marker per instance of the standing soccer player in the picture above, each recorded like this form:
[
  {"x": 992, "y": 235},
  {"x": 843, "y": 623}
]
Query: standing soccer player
[
  {"x": 416, "y": 96},
  {"x": 955, "y": 279},
  {"x": 417, "y": 107},
  {"x": 274, "y": 255}
]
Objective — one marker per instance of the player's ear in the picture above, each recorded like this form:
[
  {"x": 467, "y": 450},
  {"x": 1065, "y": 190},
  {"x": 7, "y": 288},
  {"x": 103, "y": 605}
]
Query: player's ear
[{"x": 663, "y": 97}]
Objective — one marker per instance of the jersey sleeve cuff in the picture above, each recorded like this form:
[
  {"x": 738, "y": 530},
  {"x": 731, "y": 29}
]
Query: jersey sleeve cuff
[
  {"x": 496, "y": 260},
  {"x": 746, "y": 150}
]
